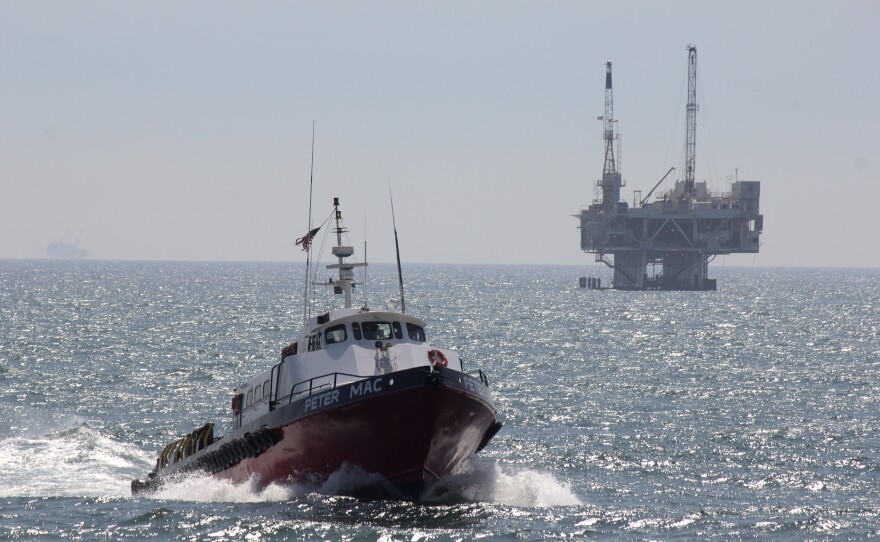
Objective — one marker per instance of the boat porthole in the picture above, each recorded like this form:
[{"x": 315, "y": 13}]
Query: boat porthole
[{"x": 391, "y": 382}]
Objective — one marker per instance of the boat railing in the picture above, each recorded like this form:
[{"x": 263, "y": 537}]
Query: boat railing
[
  {"x": 313, "y": 385},
  {"x": 318, "y": 383},
  {"x": 481, "y": 375}
]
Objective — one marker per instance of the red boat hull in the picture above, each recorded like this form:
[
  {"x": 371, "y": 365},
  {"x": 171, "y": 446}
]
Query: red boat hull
[
  {"x": 408, "y": 437},
  {"x": 412, "y": 429}
]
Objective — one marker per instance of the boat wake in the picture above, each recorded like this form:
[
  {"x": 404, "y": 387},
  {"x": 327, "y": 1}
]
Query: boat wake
[
  {"x": 479, "y": 482},
  {"x": 65, "y": 457},
  {"x": 507, "y": 485}
]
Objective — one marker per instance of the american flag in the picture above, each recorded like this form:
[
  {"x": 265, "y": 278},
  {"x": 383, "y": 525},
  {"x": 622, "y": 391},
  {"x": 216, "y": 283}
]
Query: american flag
[{"x": 306, "y": 240}]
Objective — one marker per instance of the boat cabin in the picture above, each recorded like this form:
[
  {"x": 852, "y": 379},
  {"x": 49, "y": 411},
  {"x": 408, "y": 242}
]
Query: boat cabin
[{"x": 339, "y": 347}]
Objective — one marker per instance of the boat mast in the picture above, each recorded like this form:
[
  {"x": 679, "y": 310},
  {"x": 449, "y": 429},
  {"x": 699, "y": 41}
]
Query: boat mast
[
  {"x": 345, "y": 282},
  {"x": 309, "y": 248},
  {"x": 397, "y": 249}
]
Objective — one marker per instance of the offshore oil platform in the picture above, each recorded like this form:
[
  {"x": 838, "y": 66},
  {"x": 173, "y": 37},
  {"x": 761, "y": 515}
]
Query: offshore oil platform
[{"x": 676, "y": 235}]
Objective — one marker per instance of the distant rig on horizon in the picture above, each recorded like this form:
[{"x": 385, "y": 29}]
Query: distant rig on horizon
[
  {"x": 66, "y": 249},
  {"x": 681, "y": 231}
]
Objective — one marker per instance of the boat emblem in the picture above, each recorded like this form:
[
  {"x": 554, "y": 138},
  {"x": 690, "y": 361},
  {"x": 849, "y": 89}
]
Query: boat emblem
[{"x": 384, "y": 362}]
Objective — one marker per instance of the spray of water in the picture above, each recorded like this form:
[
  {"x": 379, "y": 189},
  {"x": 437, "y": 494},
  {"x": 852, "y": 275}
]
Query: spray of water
[
  {"x": 483, "y": 482},
  {"x": 66, "y": 457}
]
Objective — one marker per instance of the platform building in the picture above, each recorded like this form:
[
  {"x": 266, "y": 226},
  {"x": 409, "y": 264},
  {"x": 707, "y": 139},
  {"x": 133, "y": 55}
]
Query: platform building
[{"x": 667, "y": 243}]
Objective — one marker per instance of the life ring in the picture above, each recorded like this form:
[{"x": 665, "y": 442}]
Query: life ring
[{"x": 436, "y": 357}]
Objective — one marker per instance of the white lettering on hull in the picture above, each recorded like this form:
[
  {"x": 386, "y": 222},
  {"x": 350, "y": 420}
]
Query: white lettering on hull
[
  {"x": 358, "y": 389},
  {"x": 322, "y": 400},
  {"x": 365, "y": 387}
]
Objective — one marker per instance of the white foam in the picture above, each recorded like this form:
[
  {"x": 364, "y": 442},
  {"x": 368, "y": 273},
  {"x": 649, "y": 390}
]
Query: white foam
[
  {"x": 509, "y": 485},
  {"x": 66, "y": 457},
  {"x": 532, "y": 488},
  {"x": 69, "y": 459},
  {"x": 480, "y": 482},
  {"x": 199, "y": 487},
  {"x": 348, "y": 480}
]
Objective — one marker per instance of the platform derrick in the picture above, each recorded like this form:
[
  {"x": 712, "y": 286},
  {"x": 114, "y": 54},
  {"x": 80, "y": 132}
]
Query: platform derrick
[{"x": 676, "y": 235}]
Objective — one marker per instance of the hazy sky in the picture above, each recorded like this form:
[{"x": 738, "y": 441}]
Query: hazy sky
[{"x": 181, "y": 130}]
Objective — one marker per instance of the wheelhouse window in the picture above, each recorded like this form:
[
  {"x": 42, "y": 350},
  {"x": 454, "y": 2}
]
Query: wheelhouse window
[
  {"x": 397, "y": 333},
  {"x": 266, "y": 389},
  {"x": 356, "y": 330},
  {"x": 335, "y": 334},
  {"x": 415, "y": 332},
  {"x": 250, "y": 399},
  {"x": 376, "y": 331}
]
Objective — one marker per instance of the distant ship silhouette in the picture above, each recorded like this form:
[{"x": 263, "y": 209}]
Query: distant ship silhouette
[{"x": 66, "y": 250}]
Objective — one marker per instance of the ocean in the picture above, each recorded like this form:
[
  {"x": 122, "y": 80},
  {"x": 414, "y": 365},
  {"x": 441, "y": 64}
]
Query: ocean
[{"x": 750, "y": 413}]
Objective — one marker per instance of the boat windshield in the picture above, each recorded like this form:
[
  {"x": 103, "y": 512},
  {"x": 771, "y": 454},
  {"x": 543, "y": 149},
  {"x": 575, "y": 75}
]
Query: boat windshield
[
  {"x": 335, "y": 334},
  {"x": 376, "y": 330},
  {"x": 416, "y": 333}
]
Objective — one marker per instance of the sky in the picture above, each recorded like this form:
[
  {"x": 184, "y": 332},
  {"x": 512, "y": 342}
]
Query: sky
[{"x": 170, "y": 130}]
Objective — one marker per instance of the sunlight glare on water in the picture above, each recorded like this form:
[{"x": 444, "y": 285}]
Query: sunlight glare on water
[{"x": 750, "y": 412}]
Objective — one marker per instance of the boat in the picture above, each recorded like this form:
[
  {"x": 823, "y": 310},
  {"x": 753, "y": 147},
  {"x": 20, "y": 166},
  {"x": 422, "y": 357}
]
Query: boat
[{"x": 361, "y": 389}]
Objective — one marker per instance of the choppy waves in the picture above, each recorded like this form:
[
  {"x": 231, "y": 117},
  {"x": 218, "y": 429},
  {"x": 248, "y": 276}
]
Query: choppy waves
[
  {"x": 62, "y": 456},
  {"x": 750, "y": 412}
]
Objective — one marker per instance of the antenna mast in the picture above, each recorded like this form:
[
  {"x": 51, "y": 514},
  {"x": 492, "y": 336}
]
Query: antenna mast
[
  {"x": 691, "y": 136},
  {"x": 309, "y": 251},
  {"x": 397, "y": 248},
  {"x": 344, "y": 284}
]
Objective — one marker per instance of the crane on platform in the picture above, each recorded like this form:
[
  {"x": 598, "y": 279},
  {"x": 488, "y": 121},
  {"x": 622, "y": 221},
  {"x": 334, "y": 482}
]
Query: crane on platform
[{"x": 645, "y": 199}]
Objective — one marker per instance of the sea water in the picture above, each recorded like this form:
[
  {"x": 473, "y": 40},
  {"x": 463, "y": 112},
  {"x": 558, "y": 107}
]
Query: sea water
[{"x": 752, "y": 412}]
